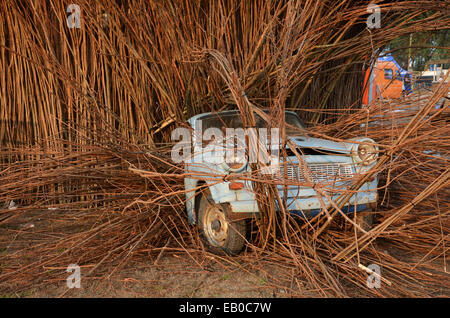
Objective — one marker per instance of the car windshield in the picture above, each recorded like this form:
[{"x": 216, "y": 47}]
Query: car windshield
[{"x": 294, "y": 125}]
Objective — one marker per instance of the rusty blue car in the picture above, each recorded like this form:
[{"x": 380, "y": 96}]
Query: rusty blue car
[{"x": 222, "y": 210}]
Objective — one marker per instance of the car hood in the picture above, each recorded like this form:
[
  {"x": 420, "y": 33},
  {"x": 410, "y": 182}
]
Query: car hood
[{"x": 320, "y": 144}]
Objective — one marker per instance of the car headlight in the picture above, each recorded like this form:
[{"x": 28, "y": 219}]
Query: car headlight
[
  {"x": 235, "y": 165},
  {"x": 365, "y": 153}
]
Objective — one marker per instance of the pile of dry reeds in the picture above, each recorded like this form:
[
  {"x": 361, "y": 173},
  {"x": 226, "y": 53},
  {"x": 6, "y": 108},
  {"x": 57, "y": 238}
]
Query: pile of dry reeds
[
  {"x": 131, "y": 68},
  {"x": 86, "y": 116}
]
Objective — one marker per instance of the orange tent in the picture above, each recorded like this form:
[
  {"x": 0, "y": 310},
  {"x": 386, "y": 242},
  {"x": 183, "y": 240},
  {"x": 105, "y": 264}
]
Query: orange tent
[{"x": 383, "y": 80}]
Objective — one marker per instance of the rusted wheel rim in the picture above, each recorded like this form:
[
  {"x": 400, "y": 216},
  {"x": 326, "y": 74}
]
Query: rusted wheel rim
[{"x": 216, "y": 225}]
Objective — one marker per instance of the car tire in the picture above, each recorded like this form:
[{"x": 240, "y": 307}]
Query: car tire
[{"x": 220, "y": 234}]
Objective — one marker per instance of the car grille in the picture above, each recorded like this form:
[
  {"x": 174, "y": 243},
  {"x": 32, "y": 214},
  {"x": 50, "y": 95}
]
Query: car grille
[{"x": 318, "y": 172}]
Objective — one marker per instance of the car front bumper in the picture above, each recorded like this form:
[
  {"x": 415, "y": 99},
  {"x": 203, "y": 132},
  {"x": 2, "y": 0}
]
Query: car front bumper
[{"x": 311, "y": 206}]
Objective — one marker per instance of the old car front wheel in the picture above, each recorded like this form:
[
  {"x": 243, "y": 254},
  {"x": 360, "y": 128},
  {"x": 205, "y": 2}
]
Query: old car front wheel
[{"x": 221, "y": 235}]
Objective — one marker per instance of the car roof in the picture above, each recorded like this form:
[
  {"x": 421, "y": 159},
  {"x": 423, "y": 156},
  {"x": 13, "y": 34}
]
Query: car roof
[{"x": 194, "y": 118}]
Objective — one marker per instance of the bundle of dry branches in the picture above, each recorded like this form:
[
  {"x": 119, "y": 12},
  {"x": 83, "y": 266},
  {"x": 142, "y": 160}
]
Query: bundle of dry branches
[{"x": 86, "y": 116}]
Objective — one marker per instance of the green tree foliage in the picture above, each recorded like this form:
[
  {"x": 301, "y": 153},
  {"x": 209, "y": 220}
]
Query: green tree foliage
[{"x": 425, "y": 46}]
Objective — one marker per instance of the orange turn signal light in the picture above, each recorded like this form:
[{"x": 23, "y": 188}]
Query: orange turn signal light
[{"x": 236, "y": 185}]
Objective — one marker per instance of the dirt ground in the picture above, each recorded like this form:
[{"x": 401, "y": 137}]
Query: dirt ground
[
  {"x": 179, "y": 277},
  {"x": 174, "y": 274}
]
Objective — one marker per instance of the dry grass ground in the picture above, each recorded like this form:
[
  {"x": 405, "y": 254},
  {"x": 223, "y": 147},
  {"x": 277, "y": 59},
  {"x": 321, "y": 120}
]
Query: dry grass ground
[{"x": 177, "y": 274}]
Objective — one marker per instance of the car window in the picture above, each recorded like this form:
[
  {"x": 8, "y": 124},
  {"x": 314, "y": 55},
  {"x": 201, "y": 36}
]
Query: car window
[{"x": 388, "y": 73}]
